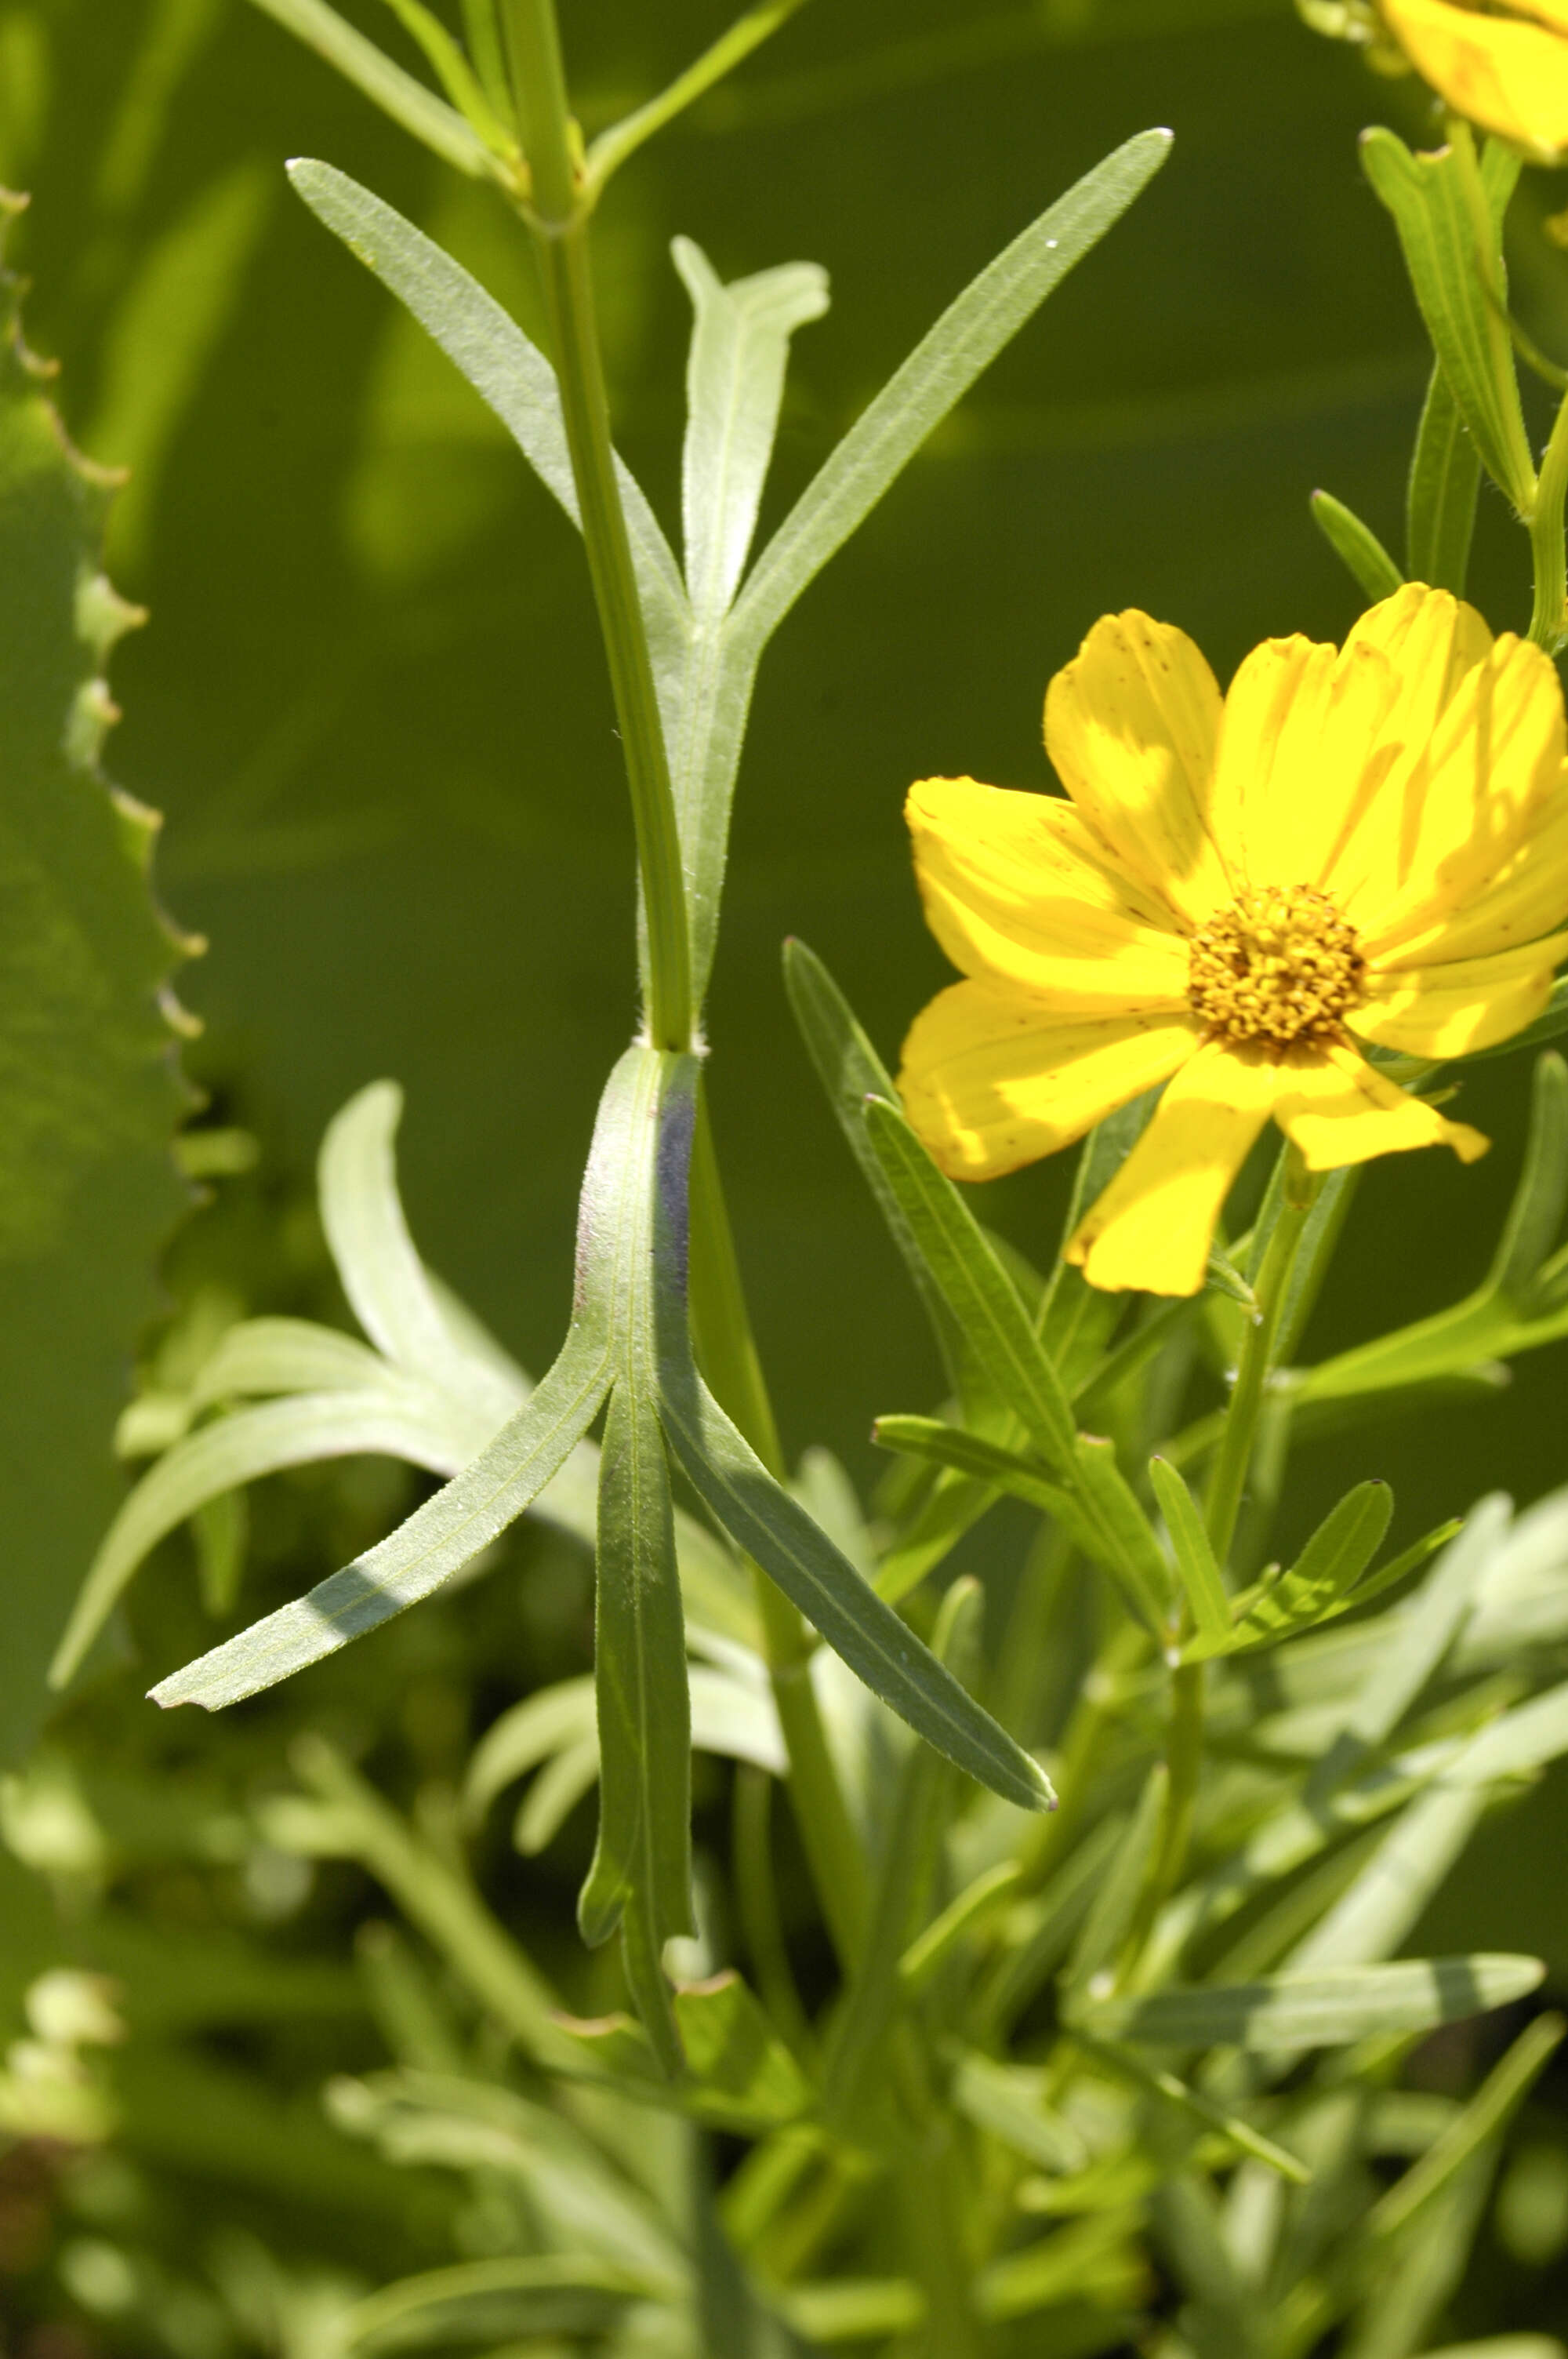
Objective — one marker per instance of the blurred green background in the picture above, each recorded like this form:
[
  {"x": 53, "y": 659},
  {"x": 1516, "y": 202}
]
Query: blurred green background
[{"x": 370, "y": 700}]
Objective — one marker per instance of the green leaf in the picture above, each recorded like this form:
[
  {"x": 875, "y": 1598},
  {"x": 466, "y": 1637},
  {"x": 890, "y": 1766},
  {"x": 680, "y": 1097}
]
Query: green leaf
[
  {"x": 454, "y": 72},
  {"x": 1386, "y": 1900},
  {"x": 1115, "y": 1903},
  {"x": 936, "y": 376},
  {"x": 1515, "y": 1308},
  {"x": 740, "y": 2077},
  {"x": 1449, "y": 233},
  {"x": 418, "y": 1559},
  {"x": 775, "y": 1531},
  {"x": 1417, "y": 1639},
  {"x": 639, "y": 1660},
  {"x": 478, "y": 1504},
  {"x": 977, "y": 1290},
  {"x": 1330, "y": 1565},
  {"x": 1327, "y": 2009},
  {"x": 532, "y": 2293},
  {"x": 517, "y": 381},
  {"x": 850, "y": 1072},
  {"x": 1010, "y": 2101},
  {"x": 1175, "y": 2091},
  {"x": 388, "y": 1288},
  {"x": 735, "y": 374},
  {"x": 393, "y": 1421},
  {"x": 941, "y": 1444},
  {"x": 1201, "y": 1577},
  {"x": 257, "y": 1356},
  {"x": 1441, "y": 497},
  {"x": 90, "y": 1092},
  {"x": 1356, "y": 546},
  {"x": 997, "y": 1331},
  {"x": 434, "y": 124}
]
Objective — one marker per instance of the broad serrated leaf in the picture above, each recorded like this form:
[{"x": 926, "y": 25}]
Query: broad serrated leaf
[
  {"x": 1326, "y": 2009},
  {"x": 90, "y": 1094}
]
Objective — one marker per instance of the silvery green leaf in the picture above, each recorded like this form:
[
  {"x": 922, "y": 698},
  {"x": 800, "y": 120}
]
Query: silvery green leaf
[
  {"x": 424, "y": 1552},
  {"x": 735, "y": 374},
  {"x": 284, "y": 1355},
  {"x": 1010, "y": 2101},
  {"x": 393, "y": 1420},
  {"x": 1117, "y": 1896},
  {"x": 531, "y": 2294},
  {"x": 1327, "y": 2009},
  {"x": 936, "y": 376},
  {"x": 1419, "y": 1635},
  {"x": 382, "y": 1273},
  {"x": 545, "y": 1722},
  {"x": 517, "y": 381},
  {"x": 554, "y": 1794},
  {"x": 1387, "y": 1900}
]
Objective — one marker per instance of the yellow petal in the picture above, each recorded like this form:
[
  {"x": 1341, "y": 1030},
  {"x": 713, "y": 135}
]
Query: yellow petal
[
  {"x": 1310, "y": 735},
  {"x": 1510, "y": 78},
  {"x": 1336, "y": 1109},
  {"x": 1465, "y": 1005},
  {"x": 1455, "y": 812},
  {"x": 1018, "y": 892},
  {"x": 1131, "y": 726},
  {"x": 1153, "y": 1227},
  {"x": 1528, "y": 894},
  {"x": 992, "y": 1080}
]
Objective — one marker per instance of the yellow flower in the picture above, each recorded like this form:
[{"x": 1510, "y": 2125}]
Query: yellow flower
[
  {"x": 1508, "y": 72},
  {"x": 1368, "y": 843}
]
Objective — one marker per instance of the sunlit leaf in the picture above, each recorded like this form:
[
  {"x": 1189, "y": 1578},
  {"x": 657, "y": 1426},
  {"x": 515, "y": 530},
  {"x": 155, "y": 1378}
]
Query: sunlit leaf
[{"x": 1325, "y": 2009}]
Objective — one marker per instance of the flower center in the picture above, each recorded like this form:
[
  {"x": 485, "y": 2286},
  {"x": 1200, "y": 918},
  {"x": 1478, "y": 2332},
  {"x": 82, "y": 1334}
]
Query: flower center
[{"x": 1280, "y": 965}]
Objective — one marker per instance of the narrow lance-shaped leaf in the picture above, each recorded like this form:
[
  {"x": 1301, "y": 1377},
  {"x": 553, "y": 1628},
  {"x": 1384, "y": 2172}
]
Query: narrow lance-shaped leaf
[
  {"x": 390, "y": 1421},
  {"x": 1201, "y": 1576},
  {"x": 937, "y": 373},
  {"x": 1327, "y": 2009},
  {"x": 775, "y": 1530},
  {"x": 388, "y": 1288},
  {"x": 1448, "y": 224},
  {"x": 478, "y": 1504},
  {"x": 1356, "y": 546},
  {"x": 1441, "y": 497},
  {"x": 514, "y": 380},
  {"x": 735, "y": 374},
  {"x": 998, "y": 1331},
  {"x": 850, "y": 1072},
  {"x": 1327, "y": 1569},
  {"x": 640, "y": 1679},
  {"x": 431, "y": 121}
]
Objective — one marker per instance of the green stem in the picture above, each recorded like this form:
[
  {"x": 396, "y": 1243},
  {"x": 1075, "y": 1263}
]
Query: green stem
[
  {"x": 727, "y": 1352},
  {"x": 1549, "y": 621},
  {"x": 610, "y": 150},
  {"x": 557, "y": 215},
  {"x": 1184, "y": 1751}
]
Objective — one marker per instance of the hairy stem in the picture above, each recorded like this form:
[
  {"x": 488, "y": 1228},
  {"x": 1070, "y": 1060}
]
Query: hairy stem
[{"x": 557, "y": 222}]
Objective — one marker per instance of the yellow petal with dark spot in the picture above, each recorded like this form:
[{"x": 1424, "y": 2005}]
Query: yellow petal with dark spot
[
  {"x": 1152, "y": 1226},
  {"x": 992, "y": 1080},
  {"x": 1337, "y": 1109}
]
